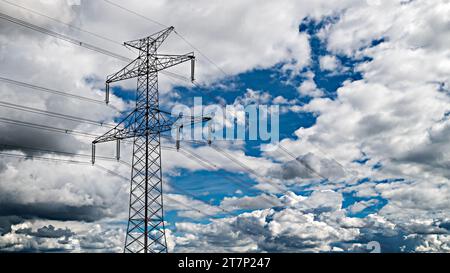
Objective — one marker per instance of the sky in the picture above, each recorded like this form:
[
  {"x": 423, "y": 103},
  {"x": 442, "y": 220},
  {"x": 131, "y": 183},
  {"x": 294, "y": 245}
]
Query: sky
[{"x": 363, "y": 90}]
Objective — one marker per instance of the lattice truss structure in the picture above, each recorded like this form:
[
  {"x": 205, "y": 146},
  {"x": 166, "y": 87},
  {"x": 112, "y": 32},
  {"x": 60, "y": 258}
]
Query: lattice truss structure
[{"x": 144, "y": 125}]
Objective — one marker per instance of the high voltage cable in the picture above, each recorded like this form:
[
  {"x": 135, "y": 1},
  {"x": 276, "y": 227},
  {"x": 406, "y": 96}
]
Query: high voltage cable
[
  {"x": 51, "y": 128},
  {"x": 217, "y": 217},
  {"x": 100, "y": 50},
  {"x": 67, "y": 161},
  {"x": 218, "y": 67},
  {"x": 85, "y": 45},
  {"x": 167, "y": 197},
  {"x": 190, "y": 154},
  {"x": 53, "y": 114},
  {"x": 231, "y": 213},
  {"x": 57, "y": 92},
  {"x": 118, "y": 175},
  {"x": 44, "y": 89},
  {"x": 62, "y": 37},
  {"x": 45, "y": 158},
  {"x": 244, "y": 166},
  {"x": 64, "y": 153},
  {"x": 204, "y": 163},
  {"x": 303, "y": 163},
  {"x": 135, "y": 13},
  {"x": 163, "y": 25},
  {"x": 228, "y": 212},
  {"x": 64, "y": 23},
  {"x": 174, "y": 75},
  {"x": 248, "y": 169},
  {"x": 46, "y": 127},
  {"x": 210, "y": 166},
  {"x": 76, "y": 41},
  {"x": 111, "y": 54}
]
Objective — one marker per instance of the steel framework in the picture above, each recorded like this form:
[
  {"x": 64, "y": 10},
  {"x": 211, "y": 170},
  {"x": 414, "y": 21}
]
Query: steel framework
[{"x": 146, "y": 230}]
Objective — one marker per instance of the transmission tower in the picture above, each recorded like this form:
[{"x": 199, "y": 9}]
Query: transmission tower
[{"x": 146, "y": 230}]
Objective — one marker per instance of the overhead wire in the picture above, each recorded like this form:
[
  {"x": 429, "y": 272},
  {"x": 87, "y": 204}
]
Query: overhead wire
[
  {"x": 53, "y": 114},
  {"x": 61, "y": 22},
  {"x": 74, "y": 41},
  {"x": 56, "y": 92},
  {"x": 46, "y": 127},
  {"x": 211, "y": 62}
]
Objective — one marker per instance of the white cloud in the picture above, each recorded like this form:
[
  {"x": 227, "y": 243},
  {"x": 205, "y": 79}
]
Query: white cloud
[
  {"x": 362, "y": 205},
  {"x": 395, "y": 115},
  {"x": 250, "y": 203},
  {"x": 329, "y": 63},
  {"x": 292, "y": 229}
]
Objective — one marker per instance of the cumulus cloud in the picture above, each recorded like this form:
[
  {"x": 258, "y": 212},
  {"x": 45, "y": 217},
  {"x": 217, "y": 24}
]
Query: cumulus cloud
[
  {"x": 329, "y": 63},
  {"x": 396, "y": 116},
  {"x": 305, "y": 224},
  {"x": 31, "y": 236}
]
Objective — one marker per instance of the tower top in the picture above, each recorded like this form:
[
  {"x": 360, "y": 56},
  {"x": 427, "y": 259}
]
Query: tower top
[{"x": 153, "y": 41}]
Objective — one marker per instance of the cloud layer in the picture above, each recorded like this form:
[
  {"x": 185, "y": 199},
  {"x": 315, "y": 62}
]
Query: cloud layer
[{"x": 381, "y": 141}]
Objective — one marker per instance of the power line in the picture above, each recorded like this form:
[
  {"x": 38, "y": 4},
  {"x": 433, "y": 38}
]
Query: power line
[
  {"x": 61, "y": 37},
  {"x": 45, "y": 158},
  {"x": 53, "y": 114},
  {"x": 218, "y": 67},
  {"x": 306, "y": 165},
  {"x": 251, "y": 171},
  {"x": 57, "y": 92},
  {"x": 46, "y": 127},
  {"x": 183, "y": 78},
  {"x": 188, "y": 154},
  {"x": 111, "y": 172},
  {"x": 247, "y": 168},
  {"x": 97, "y": 49},
  {"x": 89, "y": 46},
  {"x": 227, "y": 212},
  {"x": 239, "y": 163},
  {"x": 64, "y": 153},
  {"x": 177, "y": 33},
  {"x": 51, "y": 128},
  {"x": 77, "y": 42},
  {"x": 214, "y": 64},
  {"x": 171, "y": 199},
  {"x": 204, "y": 55},
  {"x": 64, "y": 23},
  {"x": 77, "y": 162},
  {"x": 136, "y": 13},
  {"x": 212, "y": 167},
  {"x": 35, "y": 157},
  {"x": 196, "y": 198}
]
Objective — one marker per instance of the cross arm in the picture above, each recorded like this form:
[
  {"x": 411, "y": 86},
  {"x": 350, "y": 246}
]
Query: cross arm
[
  {"x": 130, "y": 127},
  {"x": 164, "y": 61},
  {"x": 130, "y": 71}
]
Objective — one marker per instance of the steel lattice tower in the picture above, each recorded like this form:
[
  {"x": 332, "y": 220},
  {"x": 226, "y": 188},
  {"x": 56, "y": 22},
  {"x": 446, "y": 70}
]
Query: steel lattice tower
[{"x": 146, "y": 230}]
